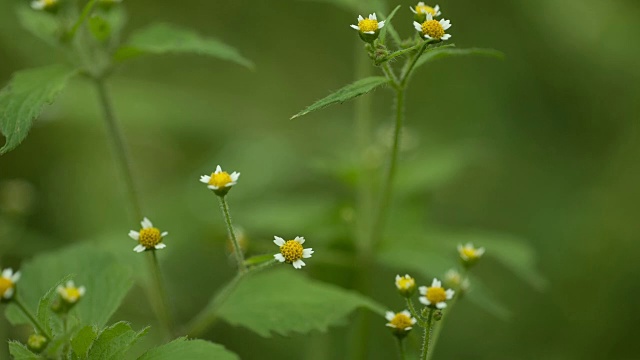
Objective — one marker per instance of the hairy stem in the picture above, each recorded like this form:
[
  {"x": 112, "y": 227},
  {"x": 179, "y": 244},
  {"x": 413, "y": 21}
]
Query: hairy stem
[
  {"x": 32, "y": 318},
  {"x": 412, "y": 64},
  {"x": 237, "y": 250},
  {"x": 426, "y": 340},
  {"x": 414, "y": 313},
  {"x": 402, "y": 355}
]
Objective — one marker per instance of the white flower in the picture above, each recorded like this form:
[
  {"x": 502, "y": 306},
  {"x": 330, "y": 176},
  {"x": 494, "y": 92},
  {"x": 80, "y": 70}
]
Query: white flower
[
  {"x": 421, "y": 8},
  {"x": 8, "y": 282},
  {"x": 292, "y": 252},
  {"x": 433, "y": 29},
  {"x": 148, "y": 237},
  {"x": 368, "y": 26},
  {"x": 70, "y": 293},
  {"x": 406, "y": 285},
  {"x": 470, "y": 253},
  {"x": 44, "y": 4},
  {"x": 220, "y": 179},
  {"x": 402, "y": 321},
  {"x": 435, "y": 295}
]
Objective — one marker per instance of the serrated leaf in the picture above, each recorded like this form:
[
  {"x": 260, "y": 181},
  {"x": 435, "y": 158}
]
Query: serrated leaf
[
  {"x": 44, "y": 312},
  {"x": 450, "y": 51},
  {"x": 40, "y": 24},
  {"x": 114, "y": 341},
  {"x": 189, "y": 349},
  {"x": 290, "y": 302},
  {"x": 82, "y": 341},
  {"x": 23, "y": 99},
  {"x": 19, "y": 351},
  {"x": 348, "y": 92},
  {"x": 106, "y": 281},
  {"x": 165, "y": 38}
]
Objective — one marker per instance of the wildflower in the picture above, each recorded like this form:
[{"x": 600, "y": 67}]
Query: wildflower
[
  {"x": 220, "y": 181},
  {"x": 47, "y": 5},
  {"x": 401, "y": 323},
  {"x": 8, "y": 282},
  {"x": 469, "y": 254},
  {"x": 421, "y": 10},
  {"x": 433, "y": 29},
  {"x": 148, "y": 237},
  {"x": 369, "y": 28},
  {"x": 36, "y": 343},
  {"x": 291, "y": 251},
  {"x": 69, "y": 293},
  {"x": 435, "y": 295},
  {"x": 406, "y": 285},
  {"x": 452, "y": 278}
]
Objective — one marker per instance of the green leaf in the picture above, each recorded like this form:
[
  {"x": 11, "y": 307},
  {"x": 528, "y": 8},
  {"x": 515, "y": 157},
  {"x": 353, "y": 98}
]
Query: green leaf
[
  {"x": 189, "y": 349},
  {"x": 82, "y": 341},
  {"x": 449, "y": 51},
  {"x": 22, "y": 100},
  {"x": 19, "y": 351},
  {"x": 348, "y": 92},
  {"x": 106, "y": 281},
  {"x": 44, "y": 312},
  {"x": 166, "y": 38},
  {"x": 290, "y": 302},
  {"x": 40, "y": 24},
  {"x": 388, "y": 28},
  {"x": 114, "y": 341}
]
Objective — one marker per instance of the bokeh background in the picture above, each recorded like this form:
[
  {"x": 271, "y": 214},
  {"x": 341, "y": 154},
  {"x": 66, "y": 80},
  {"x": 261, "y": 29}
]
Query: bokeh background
[{"x": 543, "y": 146}]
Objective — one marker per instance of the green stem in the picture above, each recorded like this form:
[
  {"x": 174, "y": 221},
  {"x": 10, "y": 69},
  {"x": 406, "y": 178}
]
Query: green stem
[
  {"x": 427, "y": 336},
  {"x": 83, "y": 16},
  {"x": 388, "y": 72},
  {"x": 122, "y": 155},
  {"x": 412, "y": 64},
  {"x": 163, "y": 310},
  {"x": 445, "y": 314},
  {"x": 237, "y": 250},
  {"x": 402, "y": 355},
  {"x": 414, "y": 313},
  {"x": 32, "y": 318}
]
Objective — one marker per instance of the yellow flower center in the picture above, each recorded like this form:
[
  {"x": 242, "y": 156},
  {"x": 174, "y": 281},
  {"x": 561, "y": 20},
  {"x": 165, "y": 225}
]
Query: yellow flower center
[
  {"x": 423, "y": 9},
  {"x": 368, "y": 25},
  {"x": 469, "y": 252},
  {"x": 71, "y": 294},
  {"x": 5, "y": 284},
  {"x": 401, "y": 321},
  {"x": 436, "y": 295},
  {"x": 404, "y": 283},
  {"x": 149, "y": 237},
  {"x": 220, "y": 179},
  {"x": 433, "y": 28},
  {"x": 291, "y": 250}
]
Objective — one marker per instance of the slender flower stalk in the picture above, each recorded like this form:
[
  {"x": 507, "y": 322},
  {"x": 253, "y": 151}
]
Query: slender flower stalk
[
  {"x": 426, "y": 340},
  {"x": 18, "y": 301},
  {"x": 237, "y": 250},
  {"x": 402, "y": 354}
]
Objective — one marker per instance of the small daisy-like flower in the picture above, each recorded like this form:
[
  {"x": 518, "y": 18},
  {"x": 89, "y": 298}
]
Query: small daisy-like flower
[
  {"x": 452, "y": 278},
  {"x": 400, "y": 323},
  {"x": 36, "y": 343},
  {"x": 8, "y": 282},
  {"x": 469, "y": 254},
  {"x": 435, "y": 296},
  {"x": 149, "y": 237},
  {"x": 433, "y": 29},
  {"x": 220, "y": 181},
  {"x": 406, "y": 285},
  {"x": 48, "y": 5},
  {"x": 69, "y": 293},
  {"x": 421, "y": 10},
  {"x": 368, "y": 28},
  {"x": 292, "y": 252}
]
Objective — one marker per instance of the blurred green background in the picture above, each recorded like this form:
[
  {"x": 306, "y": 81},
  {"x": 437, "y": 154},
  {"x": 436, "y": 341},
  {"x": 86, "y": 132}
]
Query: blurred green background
[{"x": 543, "y": 145}]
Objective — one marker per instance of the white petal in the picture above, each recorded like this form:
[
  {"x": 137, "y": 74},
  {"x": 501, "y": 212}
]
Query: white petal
[
  {"x": 413, "y": 10},
  {"x": 7, "y": 273},
  {"x": 234, "y": 176},
  {"x": 389, "y": 315},
  {"x": 421, "y": 3},
  {"x": 82, "y": 290},
  {"x": 480, "y": 251},
  {"x": 446, "y": 37},
  {"x": 299, "y": 239},
  {"x": 437, "y": 9},
  {"x": 230, "y": 184},
  {"x": 428, "y": 37},
  {"x": 71, "y": 284},
  {"x": 370, "y": 32},
  {"x": 161, "y": 246},
  {"x": 16, "y": 277},
  {"x": 441, "y": 305},
  {"x": 146, "y": 223},
  {"x": 429, "y": 17},
  {"x": 278, "y": 241},
  {"x": 218, "y": 170},
  {"x": 212, "y": 187},
  {"x": 205, "y": 179},
  {"x": 298, "y": 264},
  {"x": 423, "y": 290},
  {"x": 449, "y": 294},
  {"x": 390, "y": 325},
  {"x": 373, "y": 17},
  {"x": 306, "y": 253},
  {"x": 424, "y": 300},
  {"x": 413, "y": 321},
  {"x": 134, "y": 235},
  {"x": 8, "y": 293},
  {"x": 406, "y": 312},
  {"x": 37, "y": 5},
  {"x": 355, "y": 27},
  {"x": 279, "y": 257},
  {"x": 446, "y": 24},
  {"x": 139, "y": 248},
  {"x": 60, "y": 290},
  {"x": 360, "y": 18},
  {"x": 380, "y": 24},
  {"x": 436, "y": 283},
  {"x": 417, "y": 25},
  {"x": 164, "y": 233}
]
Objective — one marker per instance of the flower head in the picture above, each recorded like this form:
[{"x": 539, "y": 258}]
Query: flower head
[
  {"x": 292, "y": 252},
  {"x": 8, "y": 282},
  {"x": 433, "y": 29},
  {"x": 406, "y": 285},
  {"x": 148, "y": 237},
  {"x": 220, "y": 181},
  {"x": 48, "y": 5},
  {"x": 421, "y": 10},
  {"x": 69, "y": 293},
  {"x": 452, "y": 278},
  {"x": 435, "y": 296},
  {"x": 400, "y": 323},
  {"x": 368, "y": 28},
  {"x": 469, "y": 254}
]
